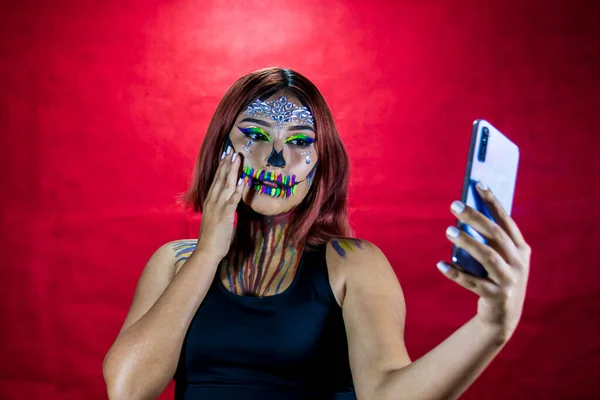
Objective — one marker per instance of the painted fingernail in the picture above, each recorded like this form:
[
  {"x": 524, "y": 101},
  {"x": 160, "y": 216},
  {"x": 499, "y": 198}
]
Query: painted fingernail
[
  {"x": 457, "y": 206},
  {"x": 442, "y": 266},
  {"x": 223, "y": 155},
  {"x": 234, "y": 157},
  {"x": 482, "y": 185},
  {"x": 452, "y": 232},
  {"x": 228, "y": 149},
  {"x": 240, "y": 181}
]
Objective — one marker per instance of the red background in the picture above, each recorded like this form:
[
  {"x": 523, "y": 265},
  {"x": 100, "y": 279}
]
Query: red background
[{"x": 103, "y": 109}]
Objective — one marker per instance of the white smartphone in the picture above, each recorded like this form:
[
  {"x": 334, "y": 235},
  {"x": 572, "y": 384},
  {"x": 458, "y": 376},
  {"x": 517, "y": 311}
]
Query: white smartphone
[{"x": 494, "y": 159}]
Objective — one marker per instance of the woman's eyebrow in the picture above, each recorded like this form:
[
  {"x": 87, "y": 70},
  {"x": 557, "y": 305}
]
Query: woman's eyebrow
[
  {"x": 257, "y": 121},
  {"x": 301, "y": 128}
]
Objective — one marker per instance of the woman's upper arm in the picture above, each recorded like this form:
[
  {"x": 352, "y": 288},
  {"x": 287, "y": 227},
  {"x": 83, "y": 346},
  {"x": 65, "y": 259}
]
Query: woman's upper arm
[
  {"x": 374, "y": 312},
  {"x": 156, "y": 276}
]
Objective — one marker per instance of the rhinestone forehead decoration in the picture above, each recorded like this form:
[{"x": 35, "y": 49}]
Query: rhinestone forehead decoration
[{"x": 281, "y": 111}]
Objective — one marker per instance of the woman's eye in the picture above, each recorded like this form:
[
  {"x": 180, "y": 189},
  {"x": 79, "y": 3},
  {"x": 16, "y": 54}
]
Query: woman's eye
[
  {"x": 257, "y": 136},
  {"x": 300, "y": 142},
  {"x": 254, "y": 134}
]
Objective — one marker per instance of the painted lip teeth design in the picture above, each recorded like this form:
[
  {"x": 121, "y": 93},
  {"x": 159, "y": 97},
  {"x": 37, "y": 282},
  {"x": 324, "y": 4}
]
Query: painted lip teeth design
[{"x": 285, "y": 185}]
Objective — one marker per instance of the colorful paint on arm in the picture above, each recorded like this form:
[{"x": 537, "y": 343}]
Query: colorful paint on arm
[
  {"x": 183, "y": 249},
  {"x": 344, "y": 245}
]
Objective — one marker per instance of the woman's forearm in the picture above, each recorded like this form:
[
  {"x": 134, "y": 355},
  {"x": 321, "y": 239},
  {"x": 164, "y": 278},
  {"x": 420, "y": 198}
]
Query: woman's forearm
[
  {"x": 449, "y": 369},
  {"x": 144, "y": 357}
]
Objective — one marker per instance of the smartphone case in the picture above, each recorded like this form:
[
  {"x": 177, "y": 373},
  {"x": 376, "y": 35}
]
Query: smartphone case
[{"x": 495, "y": 162}]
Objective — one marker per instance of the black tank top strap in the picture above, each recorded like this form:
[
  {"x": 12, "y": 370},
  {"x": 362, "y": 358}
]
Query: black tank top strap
[{"x": 315, "y": 276}]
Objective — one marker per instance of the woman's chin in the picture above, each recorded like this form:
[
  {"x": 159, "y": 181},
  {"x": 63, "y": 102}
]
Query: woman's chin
[{"x": 267, "y": 205}]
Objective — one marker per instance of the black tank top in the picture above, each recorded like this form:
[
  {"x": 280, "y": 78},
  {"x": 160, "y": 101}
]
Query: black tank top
[{"x": 288, "y": 346}]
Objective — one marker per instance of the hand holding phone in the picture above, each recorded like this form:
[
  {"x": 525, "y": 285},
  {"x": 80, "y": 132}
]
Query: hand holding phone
[
  {"x": 490, "y": 256},
  {"x": 493, "y": 159}
]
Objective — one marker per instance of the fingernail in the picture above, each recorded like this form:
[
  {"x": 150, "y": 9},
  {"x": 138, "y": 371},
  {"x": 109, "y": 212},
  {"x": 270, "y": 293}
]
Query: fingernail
[
  {"x": 223, "y": 155},
  {"x": 234, "y": 156},
  {"x": 457, "y": 206},
  {"x": 240, "y": 181},
  {"x": 482, "y": 185},
  {"x": 228, "y": 149},
  {"x": 442, "y": 266},
  {"x": 452, "y": 231}
]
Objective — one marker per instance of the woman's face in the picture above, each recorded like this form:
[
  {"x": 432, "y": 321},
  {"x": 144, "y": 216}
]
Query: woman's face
[{"x": 277, "y": 141}]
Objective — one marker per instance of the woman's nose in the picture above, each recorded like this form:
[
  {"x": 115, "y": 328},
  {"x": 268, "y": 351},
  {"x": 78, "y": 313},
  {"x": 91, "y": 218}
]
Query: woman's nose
[{"x": 276, "y": 159}]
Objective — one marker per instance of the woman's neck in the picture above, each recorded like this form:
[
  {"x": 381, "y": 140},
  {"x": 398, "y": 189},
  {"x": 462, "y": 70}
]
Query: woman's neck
[
  {"x": 258, "y": 233},
  {"x": 263, "y": 253}
]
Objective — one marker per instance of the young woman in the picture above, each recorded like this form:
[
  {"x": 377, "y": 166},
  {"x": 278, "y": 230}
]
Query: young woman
[{"x": 284, "y": 304}]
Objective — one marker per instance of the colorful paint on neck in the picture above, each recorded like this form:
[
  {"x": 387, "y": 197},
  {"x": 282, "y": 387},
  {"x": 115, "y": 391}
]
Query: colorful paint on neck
[{"x": 264, "y": 271}]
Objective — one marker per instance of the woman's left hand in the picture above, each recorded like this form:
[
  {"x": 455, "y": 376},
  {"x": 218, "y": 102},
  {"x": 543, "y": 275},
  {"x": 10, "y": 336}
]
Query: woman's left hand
[{"x": 505, "y": 258}]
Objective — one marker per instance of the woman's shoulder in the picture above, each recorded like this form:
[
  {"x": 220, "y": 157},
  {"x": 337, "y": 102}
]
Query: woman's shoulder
[
  {"x": 349, "y": 252},
  {"x": 348, "y": 257},
  {"x": 350, "y": 248}
]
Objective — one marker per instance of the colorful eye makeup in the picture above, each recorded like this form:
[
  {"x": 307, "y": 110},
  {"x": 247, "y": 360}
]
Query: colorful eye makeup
[
  {"x": 300, "y": 140},
  {"x": 258, "y": 134},
  {"x": 255, "y": 133}
]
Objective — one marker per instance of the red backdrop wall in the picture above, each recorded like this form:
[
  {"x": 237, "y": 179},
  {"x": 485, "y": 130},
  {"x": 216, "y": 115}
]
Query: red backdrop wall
[{"x": 104, "y": 105}]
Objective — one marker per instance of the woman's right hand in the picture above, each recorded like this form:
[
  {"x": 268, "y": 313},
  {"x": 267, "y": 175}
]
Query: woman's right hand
[{"x": 218, "y": 212}]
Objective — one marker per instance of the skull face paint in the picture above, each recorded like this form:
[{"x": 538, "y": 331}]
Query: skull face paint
[
  {"x": 272, "y": 183},
  {"x": 275, "y": 138}
]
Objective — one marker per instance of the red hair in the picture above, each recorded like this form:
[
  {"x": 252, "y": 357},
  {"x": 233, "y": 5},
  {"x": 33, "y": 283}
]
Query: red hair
[{"x": 323, "y": 214}]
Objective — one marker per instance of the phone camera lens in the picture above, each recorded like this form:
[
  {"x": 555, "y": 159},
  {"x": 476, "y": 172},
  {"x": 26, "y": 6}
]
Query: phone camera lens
[{"x": 485, "y": 133}]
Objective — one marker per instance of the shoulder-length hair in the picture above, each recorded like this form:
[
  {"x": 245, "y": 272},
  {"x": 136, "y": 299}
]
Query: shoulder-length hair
[{"x": 323, "y": 214}]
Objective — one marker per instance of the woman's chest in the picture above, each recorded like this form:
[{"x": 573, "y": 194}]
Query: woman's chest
[{"x": 249, "y": 280}]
